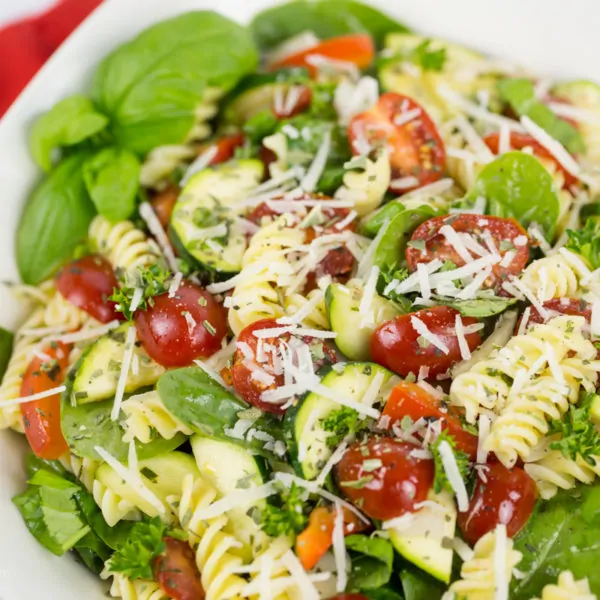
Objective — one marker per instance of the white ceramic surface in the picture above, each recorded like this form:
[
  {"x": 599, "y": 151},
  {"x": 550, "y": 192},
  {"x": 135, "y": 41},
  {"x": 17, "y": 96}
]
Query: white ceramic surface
[{"x": 553, "y": 36}]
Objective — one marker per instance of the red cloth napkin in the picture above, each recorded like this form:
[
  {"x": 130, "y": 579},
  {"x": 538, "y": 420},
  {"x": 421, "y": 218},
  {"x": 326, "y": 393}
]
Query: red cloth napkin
[{"x": 26, "y": 45}]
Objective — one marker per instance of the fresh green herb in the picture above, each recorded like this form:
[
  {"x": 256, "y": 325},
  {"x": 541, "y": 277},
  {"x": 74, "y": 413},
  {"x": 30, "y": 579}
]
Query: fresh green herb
[
  {"x": 321, "y": 103},
  {"x": 259, "y": 126},
  {"x": 441, "y": 481},
  {"x": 342, "y": 423},
  {"x": 428, "y": 59},
  {"x": 479, "y": 308},
  {"x": 578, "y": 433},
  {"x": 6, "y": 346},
  {"x": 288, "y": 519},
  {"x": 358, "y": 484},
  {"x": 586, "y": 241},
  {"x": 520, "y": 94},
  {"x": 68, "y": 123},
  {"x": 152, "y": 280},
  {"x": 372, "y": 562},
  {"x": 112, "y": 180},
  {"x": 418, "y": 585},
  {"x": 417, "y": 244},
  {"x": 55, "y": 220}
]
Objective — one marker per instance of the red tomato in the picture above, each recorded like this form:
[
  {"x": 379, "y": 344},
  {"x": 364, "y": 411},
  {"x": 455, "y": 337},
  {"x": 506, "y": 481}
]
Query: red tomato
[
  {"x": 41, "y": 418},
  {"x": 518, "y": 141},
  {"x": 356, "y": 48},
  {"x": 225, "y": 146},
  {"x": 398, "y": 346},
  {"x": 87, "y": 283},
  {"x": 508, "y": 497},
  {"x": 416, "y": 148},
  {"x": 500, "y": 230},
  {"x": 246, "y": 362},
  {"x": 163, "y": 203},
  {"x": 175, "y": 331},
  {"x": 564, "y": 306},
  {"x": 410, "y": 399},
  {"x": 301, "y": 104},
  {"x": 176, "y": 572},
  {"x": 391, "y": 484}
]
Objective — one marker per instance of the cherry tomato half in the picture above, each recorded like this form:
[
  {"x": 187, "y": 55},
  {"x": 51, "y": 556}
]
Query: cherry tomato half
[
  {"x": 41, "y": 418},
  {"x": 505, "y": 235},
  {"x": 398, "y": 346},
  {"x": 411, "y": 400},
  {"x": 355, "y": 48},
  {"x": 87, "y": 283},
  {"x": 255, "y": 363},
  {"x": 564, "y": 306},
  {"x": 163, "y": 203},
  {"x": 175, "y": 331},
  {"x": 507, "y": 497},
  {"x": 416, "y": 148},
  {"x": 302, "y": 102},
  {"x": 382, "y": 478},
  {"x": 176, "y": 572},
  {"x": 518, "y": 141},
  {"x": 225, "y": 146}
]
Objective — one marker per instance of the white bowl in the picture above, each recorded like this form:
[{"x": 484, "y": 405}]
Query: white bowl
[{"x": 554, "y": 37}]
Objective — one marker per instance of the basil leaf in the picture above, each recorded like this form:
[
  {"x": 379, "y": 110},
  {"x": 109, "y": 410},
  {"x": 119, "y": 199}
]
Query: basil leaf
[
  {"x": 112, "y": 181},
  {"x": 520, "y": 94},
  {"x": 152, "y": 85},
  {"x": 586, "y": 241},
  {"x": 417, "y": 585},
  {"x": 561, "y": 535},
  {"x": 208, "y": 408},
  {"x": 517, "y": 185},
  {"x": 479, "y": 308},
  {"x": 54, "y": 222},
  {"x": 70, "y": 122},
  {"x": 326, "y": 18},
  {"x": 6, "y": 345},
  {"x": 372, "y": 561},
  {"x": 377, "y": 220}
]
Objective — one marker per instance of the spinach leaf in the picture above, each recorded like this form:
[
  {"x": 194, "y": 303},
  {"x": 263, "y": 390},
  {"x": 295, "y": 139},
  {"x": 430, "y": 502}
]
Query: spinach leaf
[
  {"x": 208, "y": 408},
  {"x": 520, "y": 94},
  {"x": 417, "y": 585},
  {"x": 54, "y": 221},
  {"x": 6, "y": 345},
  {"x": 384, "y": 593},
  {"x": 517, "y": 185},
  {"x": 478, "y": 308},
  {"x": 561, "y": 535},
  {"x": 112, "y": 180},
  {"x": 372, "y": 560},
  {"x": 152, "y": 85},
  {"x": 388, "y": 212},
  {"x": 70, "y": 122},
  {"x": 326, "y": 18}
]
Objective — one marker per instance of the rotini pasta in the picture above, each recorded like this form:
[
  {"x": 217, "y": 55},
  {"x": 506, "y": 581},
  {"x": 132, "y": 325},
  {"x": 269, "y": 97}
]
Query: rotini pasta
[
  {"x": 146, "y": 413},
  {"x": 204, "y": 112},
  {"x": 61, "y": 313},
  {"x": 83, "y": 468},
  {"x": 121, "y": 587},
  {"x": 567, "y": 588},
  {"x": 317, "y": 315},
  {"x": 114, "y": 507},
  {"x": 161, "y": 162}
]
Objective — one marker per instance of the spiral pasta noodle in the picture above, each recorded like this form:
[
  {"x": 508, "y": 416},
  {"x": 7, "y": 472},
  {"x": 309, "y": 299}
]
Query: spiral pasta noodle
[
  {"x": 146, "y": 413},
  {"x": 122, "y": 587},
  {"x": 204, "y": 112},
  {"x": 83, "y": 468},
  {"x": 59, "y": 312},
  {"x": 462, "y": 169},
  {"x": 317, "y": 316},
  {"x": 478, "y": 577},
  {"x": 124, "y": 245},
  {"x": 567, "y": 588},
  {"x": 161, "y": 162},
  {"x": 114, "y": 508}
]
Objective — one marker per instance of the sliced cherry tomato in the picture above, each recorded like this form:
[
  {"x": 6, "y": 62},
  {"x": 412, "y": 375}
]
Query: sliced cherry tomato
[
  {"x": 225, "y": 146},
  {"x": 41, "y": 418},
  {"x": 383, "y": 479},
  {"x": 411, "y": 400},
  {"x": 415, "y": 147},
  {"x": 507, "y": 497},
  {"x": 302, "y": 103},
  {"x": 356, "y": 48},
  {"x": 564, "y": 306},
  {"x": 505, "y": 234},
  {"x": 317, "y": 538},
  {"x": 174, "y": 331},
  {"x": 176, "y": 572},
  {"x": 163, "y": 203},
  {"x": 256, "y": 363},
  {"x": 518, "y": 141},
  {"x": 398, "y": 346},
  {"x": 87, "y": 283}
]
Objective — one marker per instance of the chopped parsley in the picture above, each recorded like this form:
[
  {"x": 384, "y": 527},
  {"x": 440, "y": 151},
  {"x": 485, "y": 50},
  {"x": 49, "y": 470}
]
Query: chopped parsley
[
  {"x": 288, "y": 519},
  {"x": 441, "y": 481},
  {"x": 586, "y": 242},
  {"x": 427, "y": 58},
  {"x": 344, "y": 422}
]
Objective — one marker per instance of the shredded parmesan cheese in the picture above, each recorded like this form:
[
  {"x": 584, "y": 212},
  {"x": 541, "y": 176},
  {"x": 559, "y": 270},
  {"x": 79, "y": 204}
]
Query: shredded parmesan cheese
[{"x": 125, "y": 366}]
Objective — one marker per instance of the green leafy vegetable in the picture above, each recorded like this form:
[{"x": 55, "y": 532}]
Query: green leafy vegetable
[
  {"x": 260, "y": 126},
  {"x": 135, "y": 559},
  {"x": 417, "y": 585},
  {"x": 70, "y": 122},
  {"x": 479, "y": 308},
  {"x": 288, "y": 519},
  {"x": 520, "y": 94},
  {"x": 441, "y": 481},
  {"x": 428, "y": 59},
  {"x": 517, "y": 185},
  {"x": 54, "y": 221},
  {"x": 112, "y": 181},
  {"x": 151, "y": 86},
  {"x": 385, "y": 593},
  {"x": 152, "y": 280},
  {"x": 578, "y": 433},
  {"x": 387, "y": 213},
  {"x": 326, "y": 18},
  {"x": 372, "y": 559},
  {"x": 6, "y": 345},
  {"x": 586, "y": 241},
  {"x": 343, "y": 422},
  {"x": 561, "y": 535}
]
